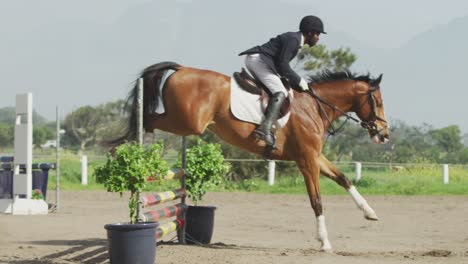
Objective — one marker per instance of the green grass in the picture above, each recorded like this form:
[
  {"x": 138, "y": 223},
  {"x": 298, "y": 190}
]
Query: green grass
[{"x": 414, "y": 180}]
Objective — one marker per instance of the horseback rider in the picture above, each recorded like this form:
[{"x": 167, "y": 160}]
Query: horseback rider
[{"x": 270, "y": 61}]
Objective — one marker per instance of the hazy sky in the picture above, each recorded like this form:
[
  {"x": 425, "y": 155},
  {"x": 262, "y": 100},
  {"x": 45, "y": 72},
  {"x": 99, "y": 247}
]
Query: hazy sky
[
  {"x": 382, "y": 24},
  {"x": 377, "y": 24},
  {"x": 387, "y": 24}
]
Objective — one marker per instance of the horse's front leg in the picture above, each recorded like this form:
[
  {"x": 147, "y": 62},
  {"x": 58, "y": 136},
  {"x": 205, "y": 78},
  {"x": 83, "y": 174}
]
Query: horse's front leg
[
  {"x": 330, "y": 171},
  {"x": 311, "y": 172}
]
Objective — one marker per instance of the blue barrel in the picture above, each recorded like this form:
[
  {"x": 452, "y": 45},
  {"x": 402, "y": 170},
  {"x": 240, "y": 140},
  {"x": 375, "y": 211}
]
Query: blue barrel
[
  {"x": 40, "y": 178},
  {"x": 6, "y": 184}
]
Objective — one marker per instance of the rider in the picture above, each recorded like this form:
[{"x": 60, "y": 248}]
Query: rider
[{"x": 270, "y": 61}]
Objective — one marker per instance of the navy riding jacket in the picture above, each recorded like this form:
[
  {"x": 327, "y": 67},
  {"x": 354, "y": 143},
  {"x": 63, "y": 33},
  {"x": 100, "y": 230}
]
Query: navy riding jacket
[{"x": 278, "y": 52}]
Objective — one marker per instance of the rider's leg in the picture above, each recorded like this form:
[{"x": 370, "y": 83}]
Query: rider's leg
[
  {"x": 272, "y": 81},
  {"x": 264, "y": 130}
]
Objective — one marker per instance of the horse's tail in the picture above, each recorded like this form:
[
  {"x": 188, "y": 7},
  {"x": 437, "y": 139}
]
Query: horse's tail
[{"x": 152, "y": 76}]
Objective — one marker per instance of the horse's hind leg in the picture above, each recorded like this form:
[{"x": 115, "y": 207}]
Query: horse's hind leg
[
  {"x": 330, "y": 171},
  {"x": 311, "y": 173}
]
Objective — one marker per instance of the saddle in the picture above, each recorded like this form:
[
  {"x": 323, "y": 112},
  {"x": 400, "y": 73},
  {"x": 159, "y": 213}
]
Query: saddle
[{"x": 253, "y": 86}]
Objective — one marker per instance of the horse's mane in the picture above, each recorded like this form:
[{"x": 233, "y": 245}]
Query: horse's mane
[{"x": 328, "y": 76}]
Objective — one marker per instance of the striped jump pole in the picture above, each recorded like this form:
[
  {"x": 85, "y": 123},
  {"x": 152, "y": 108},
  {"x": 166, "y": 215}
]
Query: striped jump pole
[
  {"x": 162, "y": 197},
  {"x": 176, "y": 210},
  {"x": 169, "y": 227},
  {"x": 166, "y": 212}
]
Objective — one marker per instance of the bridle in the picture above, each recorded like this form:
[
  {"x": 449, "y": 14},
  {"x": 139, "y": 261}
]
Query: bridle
[
  {"x": 373, "y": 117},
  {"x": 370, "y": 125}
]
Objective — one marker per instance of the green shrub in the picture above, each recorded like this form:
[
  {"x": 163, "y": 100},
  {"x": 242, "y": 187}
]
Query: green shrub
[
  {"x": 205, "y": 168},
  {"x": 128, "y": 170}
]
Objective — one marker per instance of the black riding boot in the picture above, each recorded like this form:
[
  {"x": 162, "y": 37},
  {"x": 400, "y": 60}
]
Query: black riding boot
[{"x": 263, "y": 131}]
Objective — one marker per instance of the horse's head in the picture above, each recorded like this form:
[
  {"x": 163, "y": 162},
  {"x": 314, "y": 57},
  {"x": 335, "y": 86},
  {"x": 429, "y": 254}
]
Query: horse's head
[{"x": 370, "y": 109}]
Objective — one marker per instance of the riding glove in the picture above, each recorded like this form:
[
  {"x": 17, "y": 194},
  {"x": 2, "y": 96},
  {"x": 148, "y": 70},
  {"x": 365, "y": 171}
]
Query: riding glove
[{"x": 303, "y": 85}]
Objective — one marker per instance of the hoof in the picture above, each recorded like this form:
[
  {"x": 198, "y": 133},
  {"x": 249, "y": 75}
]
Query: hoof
[
  {"x": 326, "y": 249},
  {"x": 372, "y": 218},
  {"x": 369, "y": 214}
]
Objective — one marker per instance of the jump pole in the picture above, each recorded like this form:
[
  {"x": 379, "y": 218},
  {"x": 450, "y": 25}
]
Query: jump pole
[
  {"x": 139, "y": 131},
  {"x": 57, "y": 161}
]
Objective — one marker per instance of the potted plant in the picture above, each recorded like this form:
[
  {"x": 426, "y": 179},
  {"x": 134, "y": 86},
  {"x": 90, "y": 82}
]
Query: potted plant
[
  {"x": 127, "y": 170},
  {"x": 205, "y": 169}
]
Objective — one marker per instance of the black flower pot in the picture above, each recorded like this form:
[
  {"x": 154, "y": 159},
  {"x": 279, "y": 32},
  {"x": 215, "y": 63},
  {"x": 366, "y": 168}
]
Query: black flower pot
[
  {"x": 199, "y": 224},
  {"x": 132, "y": 243}
]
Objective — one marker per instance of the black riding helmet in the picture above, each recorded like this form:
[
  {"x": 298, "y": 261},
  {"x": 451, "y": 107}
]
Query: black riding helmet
[{"x": 311, "y": 24}]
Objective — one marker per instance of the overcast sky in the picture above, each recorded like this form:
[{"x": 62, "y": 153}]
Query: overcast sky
[
  {"x": 382, "y": 24},
  {"x": 387, "y": 24},
  {"x": 377, "y": 24}
]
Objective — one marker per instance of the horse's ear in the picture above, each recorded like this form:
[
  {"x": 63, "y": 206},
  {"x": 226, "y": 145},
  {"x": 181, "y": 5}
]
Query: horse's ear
[{"x": 376, "y": 82}]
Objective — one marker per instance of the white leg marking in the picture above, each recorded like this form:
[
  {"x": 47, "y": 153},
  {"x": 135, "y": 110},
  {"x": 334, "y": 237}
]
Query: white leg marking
[
  {"x": 362, "y": 204},
  {"x": 323, "y": 234}
]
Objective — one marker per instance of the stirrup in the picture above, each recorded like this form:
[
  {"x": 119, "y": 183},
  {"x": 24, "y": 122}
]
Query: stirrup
[
  {"x": 260, "y": 134},
  {"x": 267, "y": 136}
]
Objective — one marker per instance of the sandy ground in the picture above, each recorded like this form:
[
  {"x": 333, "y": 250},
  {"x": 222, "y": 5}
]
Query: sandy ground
[{"x": 254, "y": 228}]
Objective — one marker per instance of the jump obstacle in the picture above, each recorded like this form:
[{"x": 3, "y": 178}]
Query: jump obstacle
[
  {"x": 20, "y": 201},
  {"x": 176, "y": 210}
]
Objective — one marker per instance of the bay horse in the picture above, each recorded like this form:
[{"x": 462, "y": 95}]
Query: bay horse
[{"x": 197, "y": 99}]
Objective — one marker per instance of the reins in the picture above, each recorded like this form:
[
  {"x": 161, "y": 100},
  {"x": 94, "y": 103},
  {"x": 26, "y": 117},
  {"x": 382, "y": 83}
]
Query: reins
[
  {"x": 331, "y": 129},
  {"x": 369, "y": 125}
]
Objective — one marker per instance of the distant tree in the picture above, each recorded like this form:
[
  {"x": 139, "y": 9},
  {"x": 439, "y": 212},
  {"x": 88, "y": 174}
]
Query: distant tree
[
  {"x": 8, "y": 114},
  {"x": 463, "y": 159},
  {"x": 447, "y": 138},
  {"x": 88, "y": 125},
  {"x": 6, "y": 135},
  {"x": 410, "y": 144},
  {"x": 113, "y": 114},
  {"x": 41, "y": 134},
  {"x": 448, "y": 143},
  {"x": 318, "y": 58},
  {"x": 85, "y": 124},
  {"x": 342, "y": 144}
]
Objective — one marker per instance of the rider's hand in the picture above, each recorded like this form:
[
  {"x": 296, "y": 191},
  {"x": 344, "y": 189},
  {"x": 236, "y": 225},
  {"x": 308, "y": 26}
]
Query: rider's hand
[{"x": 303, "y": 85}]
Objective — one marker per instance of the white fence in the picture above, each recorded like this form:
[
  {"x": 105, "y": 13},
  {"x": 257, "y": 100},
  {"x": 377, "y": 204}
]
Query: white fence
[
  {"x": 272, "y": 167},
  {"x": 358, "y": 167}
]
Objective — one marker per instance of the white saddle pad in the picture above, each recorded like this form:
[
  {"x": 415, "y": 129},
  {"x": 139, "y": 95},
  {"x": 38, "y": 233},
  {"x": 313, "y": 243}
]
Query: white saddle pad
[{"x": 250, "y": 107}]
